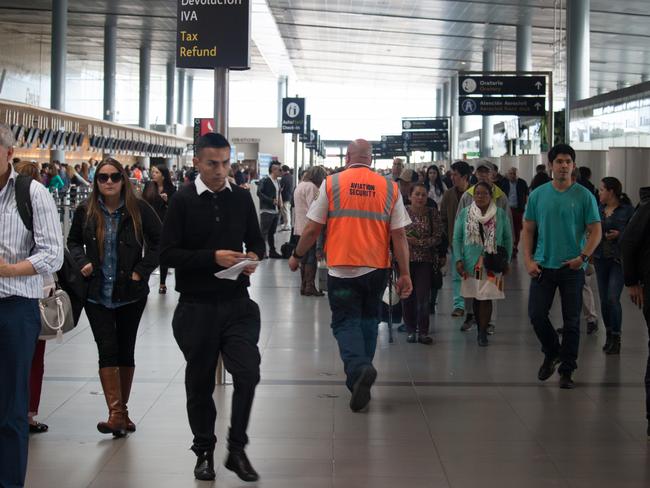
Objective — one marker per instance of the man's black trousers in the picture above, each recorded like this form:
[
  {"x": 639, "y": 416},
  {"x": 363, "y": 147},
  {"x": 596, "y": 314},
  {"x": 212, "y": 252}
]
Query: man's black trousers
[{"x": 203, "y": 331}]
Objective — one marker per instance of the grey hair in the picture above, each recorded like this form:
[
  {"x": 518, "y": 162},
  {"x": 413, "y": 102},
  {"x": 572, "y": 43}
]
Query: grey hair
[{"x": 6, "y": 136}]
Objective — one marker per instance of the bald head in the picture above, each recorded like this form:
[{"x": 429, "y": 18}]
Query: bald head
[{"x": 359, "y": 152}]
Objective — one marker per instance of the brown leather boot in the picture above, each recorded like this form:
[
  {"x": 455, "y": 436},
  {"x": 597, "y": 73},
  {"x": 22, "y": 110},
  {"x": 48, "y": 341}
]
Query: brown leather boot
[
  {"x": 126, "y": 380},
  {"x": 116, "y": 423},
  {"x": 310, "y": 285},
  {"x": 302, "y": 279}
]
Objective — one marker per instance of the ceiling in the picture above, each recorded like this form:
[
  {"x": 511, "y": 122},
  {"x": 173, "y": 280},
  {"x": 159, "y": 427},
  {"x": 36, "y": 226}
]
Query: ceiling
[{"x": 358, "y": 41}]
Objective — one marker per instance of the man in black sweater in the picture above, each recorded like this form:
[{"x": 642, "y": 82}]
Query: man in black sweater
[{"x": 207, "y": 224}]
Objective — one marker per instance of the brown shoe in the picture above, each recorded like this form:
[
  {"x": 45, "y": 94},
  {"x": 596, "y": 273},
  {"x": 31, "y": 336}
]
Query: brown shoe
[
  {"x": 310, "y": 277},
  {"x": 126, "y": 380},
  {"x": 116, "y": 423}
]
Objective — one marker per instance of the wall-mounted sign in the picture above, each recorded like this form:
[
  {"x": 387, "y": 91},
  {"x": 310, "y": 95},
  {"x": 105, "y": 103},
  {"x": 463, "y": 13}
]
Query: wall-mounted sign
[
  {"x": 293, "y": 115},
  {"x": 423, "y": 124},
  {"x": 533, "y": 106},
  {"x": 501, "y": 85},
  {"x": 213, "y": 34}
]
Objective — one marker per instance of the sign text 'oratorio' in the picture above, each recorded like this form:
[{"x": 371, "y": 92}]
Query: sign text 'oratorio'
[
  {"x": 501, "y": 106},
  {"x": 419, "y": 124},
  {"x": 502, "y": 85},
  {"x": 213, "y": 34}
]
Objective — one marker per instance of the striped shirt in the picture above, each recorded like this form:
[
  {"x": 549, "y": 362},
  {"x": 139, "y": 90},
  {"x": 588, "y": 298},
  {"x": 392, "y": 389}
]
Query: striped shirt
[{"x": 43, "y": 248}]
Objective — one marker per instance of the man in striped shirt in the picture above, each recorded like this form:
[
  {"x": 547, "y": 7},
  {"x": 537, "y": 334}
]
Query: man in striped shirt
[{"x": 24, "y": 258}]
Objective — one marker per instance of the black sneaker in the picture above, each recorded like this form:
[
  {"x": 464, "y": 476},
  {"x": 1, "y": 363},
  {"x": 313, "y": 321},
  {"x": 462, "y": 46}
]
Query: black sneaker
[
  {"x": 275, "y": 255},
  {"x": 483, "y": 339},
  {"x": 468, "y": 324},
  {"x": 204, "y": 469},
  {"x": 427, "y": 340},
  {"x": 547, "y": 368},
  {"x": 566, "y": 383},
  {"x": 401, "y": 328},
  {"x": 491, "y": 328},
  {"x": 361, "y": 389},
  {"x": 592, "y": 327},
  {"x": 411, "y": 339}
]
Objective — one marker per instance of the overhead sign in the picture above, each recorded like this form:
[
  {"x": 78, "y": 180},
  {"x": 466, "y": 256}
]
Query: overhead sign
[
  {"x": 213, "y": 34},
  {"x": 435, "y": 146},
  {"x": 293, "y": 115},
  {"x": 534, "y": 106},
  {"x": 313, "y": 139},
  {"x": 420, "y": 124},
  {"x": 304, "y": 136},
  {"x": 430, "y": 135},
  {"x": 502, "y": 85}
]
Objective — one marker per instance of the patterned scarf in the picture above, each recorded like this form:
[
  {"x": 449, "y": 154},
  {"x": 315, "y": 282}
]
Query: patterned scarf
[{"x": 489, "y": 222}]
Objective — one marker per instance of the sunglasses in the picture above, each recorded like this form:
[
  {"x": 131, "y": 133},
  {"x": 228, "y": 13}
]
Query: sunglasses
[{"x": 104, "y": 177}]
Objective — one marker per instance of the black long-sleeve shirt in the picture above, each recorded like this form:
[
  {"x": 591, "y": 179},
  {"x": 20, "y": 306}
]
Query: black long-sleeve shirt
[{"x": 198, "y": 225}]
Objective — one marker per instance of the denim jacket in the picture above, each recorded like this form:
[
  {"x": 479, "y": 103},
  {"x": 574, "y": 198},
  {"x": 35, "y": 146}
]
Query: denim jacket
[{"x": 617, "y": 221}]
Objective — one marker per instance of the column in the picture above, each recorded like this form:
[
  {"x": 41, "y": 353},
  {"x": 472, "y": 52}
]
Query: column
[
  {"x": 438, "y": 102},
  {"x": 110, "y": 69},
  {"x": 221, "y": 95},
  {"x": 181, "y": 97},
  {"x": 283, "y": 90},
  {"x": 453, "y": 113},
  {"x": 171, "y": 75},
  {"x": 578, "y": 56},
  {"x": 145, "y": 78},
  {"x": 524, "y": 47},
  {"x": 486, "y": 133},
  {"x": 190, "y": 96},
  {"x": 445, "y": 99},
  {"x": 58, "y": 63}
]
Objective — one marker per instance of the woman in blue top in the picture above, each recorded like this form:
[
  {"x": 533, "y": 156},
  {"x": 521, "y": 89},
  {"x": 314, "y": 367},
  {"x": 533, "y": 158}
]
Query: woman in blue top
[
  {"x": 480, "y": 230},
  {"x": 615, "y": 212}
]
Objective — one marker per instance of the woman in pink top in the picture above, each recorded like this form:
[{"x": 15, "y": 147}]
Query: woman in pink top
[{"x": 305, "y": 193}]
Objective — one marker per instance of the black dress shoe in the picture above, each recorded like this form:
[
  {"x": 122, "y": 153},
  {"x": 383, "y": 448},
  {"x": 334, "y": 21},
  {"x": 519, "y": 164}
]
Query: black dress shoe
[
  {"x": 547, "y": 368},
  {"x": 238, "y": 462},
  {"x": 204, "y": 469},
  {"x": 566, "y": 383},
  {"x": 361, "y": 388},
  {"x": 425, "y": 339},
  {"x": 37, "y": 428}
]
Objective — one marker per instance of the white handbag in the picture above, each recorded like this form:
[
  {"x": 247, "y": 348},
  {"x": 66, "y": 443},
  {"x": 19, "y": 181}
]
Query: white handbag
[{"x": 56, "y": 315}]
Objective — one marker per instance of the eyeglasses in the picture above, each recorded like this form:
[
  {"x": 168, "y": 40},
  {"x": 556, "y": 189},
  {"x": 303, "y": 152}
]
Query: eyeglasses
[{"x": 104, "y": 177}]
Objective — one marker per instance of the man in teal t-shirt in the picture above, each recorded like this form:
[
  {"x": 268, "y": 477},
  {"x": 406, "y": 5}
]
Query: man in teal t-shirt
[{"x": 562, "y": 214}]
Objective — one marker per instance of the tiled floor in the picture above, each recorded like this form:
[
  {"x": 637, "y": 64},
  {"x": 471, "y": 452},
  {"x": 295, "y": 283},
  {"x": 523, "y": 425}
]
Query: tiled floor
[{"x": 451, "y": 415}]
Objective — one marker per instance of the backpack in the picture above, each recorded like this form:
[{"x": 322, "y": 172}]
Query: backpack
[{"x": 69, "y": 277}]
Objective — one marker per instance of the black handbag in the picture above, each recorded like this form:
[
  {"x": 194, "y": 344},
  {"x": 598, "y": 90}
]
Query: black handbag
[{"x": 494, "y": 262}]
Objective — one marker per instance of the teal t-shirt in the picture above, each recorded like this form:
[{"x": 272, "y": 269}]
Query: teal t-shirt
[{"x": 561, "y": 218}]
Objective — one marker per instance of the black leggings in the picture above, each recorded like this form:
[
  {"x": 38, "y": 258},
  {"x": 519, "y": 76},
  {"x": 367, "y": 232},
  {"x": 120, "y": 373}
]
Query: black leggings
[
  {"x": 115, "y": 331},
  {"x": 163, "y": 275},
  {"x": 482, "y": 313}
]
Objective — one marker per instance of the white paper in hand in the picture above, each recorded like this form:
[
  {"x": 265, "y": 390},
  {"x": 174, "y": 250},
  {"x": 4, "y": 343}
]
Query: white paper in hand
[{"x": 235, "y": 270}]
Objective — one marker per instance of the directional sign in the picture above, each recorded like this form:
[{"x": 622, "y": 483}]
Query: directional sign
[
  {"x": 419, "y": 124},
  {"x": 502, "y": 85},
  {"x": 313, "y": 139},
  {"x": 293, "y": 115},
  {"x": 501, "y": 106},
  {"x": 436, "y": 146},
  {"x": 434, "y": 135},
  {"x": 213, "y": 34},
  {"x": 304, "y": 137}
]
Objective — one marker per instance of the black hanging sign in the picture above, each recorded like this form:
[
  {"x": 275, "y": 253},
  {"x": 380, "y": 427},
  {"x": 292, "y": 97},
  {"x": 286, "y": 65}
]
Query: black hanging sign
[
  {"x": 420, "y": 124},
  {"x": 502, "y": 85},
  {"x": 213, "y": 34},
  {"x": 534, "y": 106},
  {"x": 293, "y": 115}
]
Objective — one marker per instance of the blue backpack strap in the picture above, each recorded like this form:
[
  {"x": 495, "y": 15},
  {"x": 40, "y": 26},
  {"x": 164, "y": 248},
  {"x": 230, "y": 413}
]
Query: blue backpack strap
[{"x": 24, "y": 201}]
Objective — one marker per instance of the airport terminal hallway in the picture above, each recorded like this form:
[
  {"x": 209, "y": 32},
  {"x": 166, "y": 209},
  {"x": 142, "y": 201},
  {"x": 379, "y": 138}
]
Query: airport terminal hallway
[{"x": 448, "y": 415}]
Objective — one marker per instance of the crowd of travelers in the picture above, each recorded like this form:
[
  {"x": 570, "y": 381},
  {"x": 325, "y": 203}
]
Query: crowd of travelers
[{"x": 469, "y": 223}]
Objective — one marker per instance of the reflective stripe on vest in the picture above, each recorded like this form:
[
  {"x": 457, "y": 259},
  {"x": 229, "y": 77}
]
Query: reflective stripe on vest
[{"x": 360, "y": 214}]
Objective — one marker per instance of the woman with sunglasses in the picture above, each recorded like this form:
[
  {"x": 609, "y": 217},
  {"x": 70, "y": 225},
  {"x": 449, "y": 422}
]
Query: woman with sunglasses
[
  {"x": 158, "y": 192},
  {"x": 114, "y": 239}
]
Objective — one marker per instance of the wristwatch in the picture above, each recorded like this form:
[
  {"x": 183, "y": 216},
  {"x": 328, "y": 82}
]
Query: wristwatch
[
  {"x": 585, "y": 258},
  {"x": 295, "y": 255}
]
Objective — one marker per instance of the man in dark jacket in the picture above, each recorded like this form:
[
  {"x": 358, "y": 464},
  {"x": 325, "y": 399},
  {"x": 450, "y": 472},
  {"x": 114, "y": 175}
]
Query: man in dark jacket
[
  {"x": 517, "y": 192},
  {"x": 268, "y": 191},
  {"x": 286, "y": 190},
  {"x": 635, "y": 254},
  {"x": 207, "y": 225}
]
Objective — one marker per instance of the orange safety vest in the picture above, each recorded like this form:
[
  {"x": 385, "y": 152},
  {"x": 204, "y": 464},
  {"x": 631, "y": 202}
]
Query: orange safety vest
[{"x": 358, "y": 220}]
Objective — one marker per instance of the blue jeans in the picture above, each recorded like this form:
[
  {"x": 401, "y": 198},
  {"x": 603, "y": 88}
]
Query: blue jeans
[
  {"x": 355, "y": 305},
  {"x": 609, "y": 273},
  {"x": 542, "y": 292},
  {"x": 459, "y": 301},
  {"x": 20, "y": 324}
]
